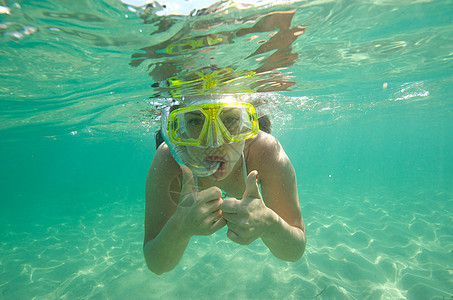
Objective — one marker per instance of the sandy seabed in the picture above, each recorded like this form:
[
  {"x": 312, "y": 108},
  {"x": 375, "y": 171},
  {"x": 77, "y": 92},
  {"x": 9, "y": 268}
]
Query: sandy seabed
[{"x": 361, "y": 245}]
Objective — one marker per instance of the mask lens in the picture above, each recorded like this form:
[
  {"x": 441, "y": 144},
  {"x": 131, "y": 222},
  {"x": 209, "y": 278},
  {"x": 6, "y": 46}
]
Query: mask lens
[
  {"x": 231, "y": 118},
  {"x": 238, "y": 122},
  {"x": 187, "y": 127},
  {"x": 194, "y": 122},
  {"x": 210, "y": 125}
]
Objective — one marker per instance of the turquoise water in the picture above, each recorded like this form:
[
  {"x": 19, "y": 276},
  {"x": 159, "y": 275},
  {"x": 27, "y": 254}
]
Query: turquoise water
[{"x": 368, "y": 126}]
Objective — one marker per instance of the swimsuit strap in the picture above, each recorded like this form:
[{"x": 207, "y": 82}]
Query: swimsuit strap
[
  {"x": 244, "y": 167},
  {"x": 195, "y": 181}
]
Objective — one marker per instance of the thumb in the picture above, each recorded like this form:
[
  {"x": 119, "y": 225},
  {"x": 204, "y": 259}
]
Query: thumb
[
  {"x": 251, "y": 186},
  {"x": 188, "y": 183}
]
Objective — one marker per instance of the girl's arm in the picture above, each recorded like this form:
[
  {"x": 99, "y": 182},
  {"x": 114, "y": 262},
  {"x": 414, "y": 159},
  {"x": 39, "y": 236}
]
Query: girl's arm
[
  {"x": 285, "y": 236},
  {"x": 274, "y": 216},
  {"x": 164, "y": 242},
  {"x": 175, "y": 212}
]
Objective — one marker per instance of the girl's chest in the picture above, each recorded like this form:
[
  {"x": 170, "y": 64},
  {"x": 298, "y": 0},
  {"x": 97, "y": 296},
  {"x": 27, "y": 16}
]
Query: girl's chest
[{"x": 232, "y": 187}]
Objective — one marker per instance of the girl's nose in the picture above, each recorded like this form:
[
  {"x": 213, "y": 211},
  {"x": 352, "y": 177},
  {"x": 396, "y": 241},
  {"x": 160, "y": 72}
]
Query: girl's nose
[{"x": 214, "y": 138}]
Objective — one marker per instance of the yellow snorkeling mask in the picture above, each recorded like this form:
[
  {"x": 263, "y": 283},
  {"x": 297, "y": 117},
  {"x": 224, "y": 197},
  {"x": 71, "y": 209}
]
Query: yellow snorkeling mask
[
  {"x": 207, "y": 123},
  {"x": 212, "y": 124}
]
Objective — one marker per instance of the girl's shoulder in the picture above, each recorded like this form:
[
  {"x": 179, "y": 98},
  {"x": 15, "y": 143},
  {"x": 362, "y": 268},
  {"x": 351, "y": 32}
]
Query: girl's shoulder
[
  {"x": 268, "y": 157},
  {"x": 263, "y": 149},
  {"x": 163, "y": 155},
  {"x": 164, "y": 165},
  {"x": 263, "y": 144}
]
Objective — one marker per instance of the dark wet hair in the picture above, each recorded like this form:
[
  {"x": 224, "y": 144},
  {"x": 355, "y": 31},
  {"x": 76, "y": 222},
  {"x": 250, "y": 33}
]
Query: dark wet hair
[
  {"x": 263, "y": 121},
  {"x": 159, "y": 137}
]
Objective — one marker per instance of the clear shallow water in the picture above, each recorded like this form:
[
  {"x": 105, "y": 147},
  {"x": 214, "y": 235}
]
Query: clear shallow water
[{"x": 374, "y": 165}]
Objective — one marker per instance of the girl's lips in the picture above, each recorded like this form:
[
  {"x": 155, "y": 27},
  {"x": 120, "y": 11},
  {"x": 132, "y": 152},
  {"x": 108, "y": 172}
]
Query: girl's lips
[
  {"x": 222, "y": 164},
  {"x": 222, "y": 167}
]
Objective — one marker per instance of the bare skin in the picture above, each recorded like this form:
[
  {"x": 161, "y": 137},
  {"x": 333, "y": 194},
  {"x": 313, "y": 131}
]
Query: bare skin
[{"x": 176, "y": 210}]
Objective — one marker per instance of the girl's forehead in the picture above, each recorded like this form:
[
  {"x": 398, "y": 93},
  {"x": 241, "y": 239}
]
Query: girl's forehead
[{"x": 197, "y": 100}]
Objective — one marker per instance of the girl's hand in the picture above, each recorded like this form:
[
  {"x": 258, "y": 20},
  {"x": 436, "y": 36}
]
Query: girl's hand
[
  {"x": 249, "y": 218},
  {"x": 198, "y": 212}
]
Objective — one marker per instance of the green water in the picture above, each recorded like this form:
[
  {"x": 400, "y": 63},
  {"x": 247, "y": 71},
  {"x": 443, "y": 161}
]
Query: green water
[{"x": 374, "y": 163}]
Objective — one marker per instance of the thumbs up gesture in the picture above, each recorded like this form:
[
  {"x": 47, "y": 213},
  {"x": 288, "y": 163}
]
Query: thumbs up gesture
[
  {"x": 249, "y": 218},
  {"x": 198, "y": 212}
]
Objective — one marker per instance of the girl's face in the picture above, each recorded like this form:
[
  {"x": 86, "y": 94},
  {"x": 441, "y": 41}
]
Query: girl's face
[{"x": 227, "y": 155}]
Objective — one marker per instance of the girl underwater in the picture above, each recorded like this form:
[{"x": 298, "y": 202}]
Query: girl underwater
[{"x": 216, "y": 168}]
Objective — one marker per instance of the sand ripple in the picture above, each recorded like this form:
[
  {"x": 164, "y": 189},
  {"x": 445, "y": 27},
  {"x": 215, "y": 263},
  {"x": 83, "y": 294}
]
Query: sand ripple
[{"x": 368, "y": 245}]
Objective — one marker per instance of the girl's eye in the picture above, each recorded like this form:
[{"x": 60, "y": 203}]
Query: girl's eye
[
  {"x": 195, "y": 122},
  {"x": 231, "y": 119}
]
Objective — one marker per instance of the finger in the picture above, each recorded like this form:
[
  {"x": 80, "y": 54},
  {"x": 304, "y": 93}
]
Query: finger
[
  {"x": 213, "y": 205},
  {"x": 211, "y": 217},
  {"x": 211, "y": 209},
  {"x": 251, "y": 186},
  {"x": 232, "y": 218},
  {"x": 235, "y": 228},
  {"x": 188, "y": 183},
  {"x": 230, "y": 205},
  {"x": 238, "y": 237},
  {"x": 219, "y": 224},
  {"x": 211, "y": 194},
  {"x": 233, "y": 236},
  {"x": 238, "y": 225}
]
